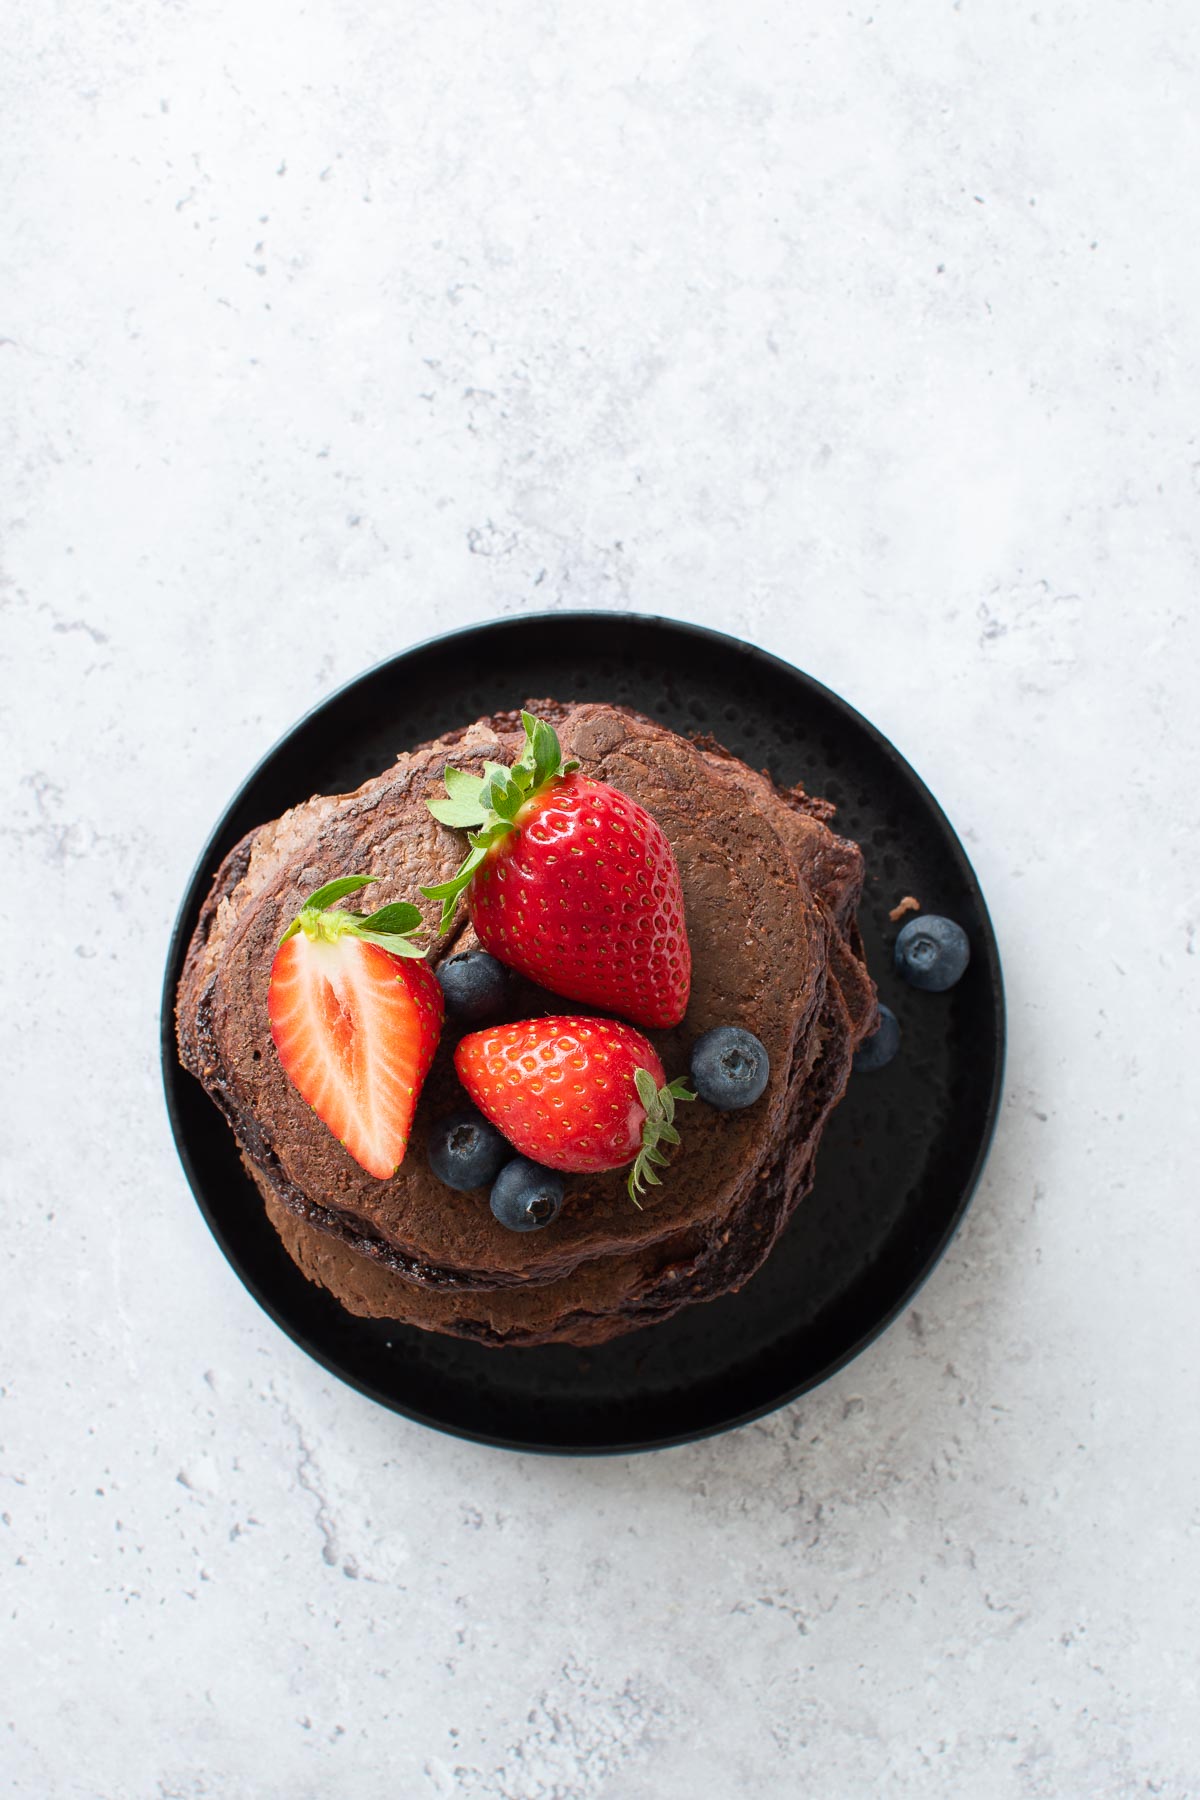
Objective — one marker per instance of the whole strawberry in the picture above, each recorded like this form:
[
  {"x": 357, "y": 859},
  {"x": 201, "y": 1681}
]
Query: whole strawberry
[
  {"x": 574, "y": 1093},
  {"x": 356, "y": 1019},
  {"x": 571, "y": 882}
]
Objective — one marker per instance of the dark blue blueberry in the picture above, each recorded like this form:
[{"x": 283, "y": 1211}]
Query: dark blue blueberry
[
  {"x": 932, "y": 953},
  {"x": 465, "y": 1151},
  {"x": 525, "y": 1196},
  {"x": 877, "y": 1051},
  {"x": 476, "y": 986},
  {"x": 729, "y": 1067}
]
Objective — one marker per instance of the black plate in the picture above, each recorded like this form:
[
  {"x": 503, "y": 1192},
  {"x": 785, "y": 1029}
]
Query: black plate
[{"x": 903, "y": 1150}]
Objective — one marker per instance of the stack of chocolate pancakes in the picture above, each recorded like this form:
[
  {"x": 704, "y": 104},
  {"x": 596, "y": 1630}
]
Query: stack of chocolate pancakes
[{"x": 770, "y": 894}]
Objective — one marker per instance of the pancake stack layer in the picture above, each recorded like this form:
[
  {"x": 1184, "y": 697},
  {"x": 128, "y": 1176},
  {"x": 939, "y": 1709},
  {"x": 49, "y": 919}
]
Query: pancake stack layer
[{"x": 770, "y": 894}]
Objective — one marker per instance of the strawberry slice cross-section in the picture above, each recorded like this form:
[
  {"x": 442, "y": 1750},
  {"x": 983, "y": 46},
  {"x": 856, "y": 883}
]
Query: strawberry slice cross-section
[{"x": 356, "y": 1014}]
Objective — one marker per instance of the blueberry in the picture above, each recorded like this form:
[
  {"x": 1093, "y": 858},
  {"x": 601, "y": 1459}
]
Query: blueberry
[
  {"x": 877, "y": 1051},
  {"x": 465, "y": 1151},
  {"x": 476, "y": 986},
  {"x": 932, "y": 953},
  {"x": 729, "y": 1067},
  {"x": 525, "y": 1196}
]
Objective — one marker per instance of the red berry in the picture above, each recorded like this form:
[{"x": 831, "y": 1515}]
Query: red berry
[
  {"x": 564, "y": 1091},
  {"x": 356, "y": 1027},
  {"x": 572, "y": 883}
]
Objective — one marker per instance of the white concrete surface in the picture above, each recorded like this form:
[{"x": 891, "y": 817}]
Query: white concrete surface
[{"x": 869, "y": 335}]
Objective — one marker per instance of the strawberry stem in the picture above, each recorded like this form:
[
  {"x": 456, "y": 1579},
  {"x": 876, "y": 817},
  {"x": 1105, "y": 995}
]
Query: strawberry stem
[
  {"x": 659, "y": 1128},
  {"x": 392, "y": 928},
  {"x": 486, "y": 806}
]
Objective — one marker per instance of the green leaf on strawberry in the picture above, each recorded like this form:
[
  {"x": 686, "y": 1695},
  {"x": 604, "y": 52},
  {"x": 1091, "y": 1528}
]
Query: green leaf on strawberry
[
  {"x": 487, "y": 805},
  {"x": 658, "y": 1128},
  {"x": 464, "y": 787},
  {"x": 401, "y": 916},
  {"x": 393, "y": 927},
  {"x": 337, "y": 890},
  {"x": 458, "y": 814}
]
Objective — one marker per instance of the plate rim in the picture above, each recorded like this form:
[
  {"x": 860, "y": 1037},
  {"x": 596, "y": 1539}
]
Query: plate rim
[{"x": 200, "y": 879}]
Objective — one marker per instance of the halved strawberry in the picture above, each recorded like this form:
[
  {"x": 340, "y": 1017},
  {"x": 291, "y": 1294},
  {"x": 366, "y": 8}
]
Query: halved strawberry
[
  {"x": 356, "y": 1020},
  {"x": 571, "y": 882},
  {"x": 574, "y": 1093}
]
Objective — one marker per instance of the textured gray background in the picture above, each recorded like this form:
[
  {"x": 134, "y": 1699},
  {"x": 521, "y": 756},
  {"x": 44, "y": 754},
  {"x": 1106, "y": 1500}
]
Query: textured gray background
[{"x": 871, "y": 336}]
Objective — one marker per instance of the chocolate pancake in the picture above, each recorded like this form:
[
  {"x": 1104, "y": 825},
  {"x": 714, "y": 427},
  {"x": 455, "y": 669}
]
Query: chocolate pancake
[{"x": 770, "y": 893}]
